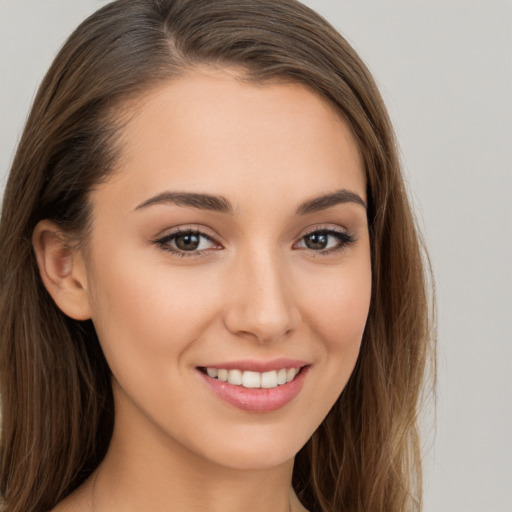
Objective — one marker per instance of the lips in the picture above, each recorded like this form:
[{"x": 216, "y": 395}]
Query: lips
[{"x": 256, "y": 386}]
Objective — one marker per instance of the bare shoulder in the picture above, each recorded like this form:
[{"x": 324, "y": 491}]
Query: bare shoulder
[
  {"x": 77, "y": 501},
  {"x": 296, "y": 505}
]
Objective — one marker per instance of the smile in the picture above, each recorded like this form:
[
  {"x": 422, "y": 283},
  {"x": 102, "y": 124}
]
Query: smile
[
  {"x": 241, "y": 384},
  {"x": 252, "y": 379}
]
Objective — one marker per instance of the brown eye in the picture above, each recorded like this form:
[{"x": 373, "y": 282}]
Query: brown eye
[
  {"x": 325, "y": 241},
  {"x": 316, "y": 241},
  {"x": 187, "y": 242}
]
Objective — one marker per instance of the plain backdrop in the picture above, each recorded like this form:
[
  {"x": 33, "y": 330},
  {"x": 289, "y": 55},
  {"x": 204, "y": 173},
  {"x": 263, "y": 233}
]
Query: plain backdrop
[{"x": 445, "y": 71}]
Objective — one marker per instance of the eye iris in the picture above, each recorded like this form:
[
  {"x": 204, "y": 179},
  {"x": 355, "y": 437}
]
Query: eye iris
[
  {"x": 188, "y": 242},
  {"x": 316, "y": 241}
]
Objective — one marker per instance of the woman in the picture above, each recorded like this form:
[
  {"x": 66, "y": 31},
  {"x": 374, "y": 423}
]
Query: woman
[{"x": 212, "y": 287}]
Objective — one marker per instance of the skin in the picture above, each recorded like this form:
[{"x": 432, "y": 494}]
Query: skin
[{"x": 254, "y": 290}]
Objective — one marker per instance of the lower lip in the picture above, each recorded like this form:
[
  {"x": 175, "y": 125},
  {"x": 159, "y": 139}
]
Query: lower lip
[{"x": 257, "y": 399}]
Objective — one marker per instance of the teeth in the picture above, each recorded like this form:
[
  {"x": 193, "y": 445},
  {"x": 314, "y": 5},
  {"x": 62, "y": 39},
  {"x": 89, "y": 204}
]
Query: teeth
[
  {"x": 290, "y": 374},
  {"x": 249, "y": 379},
  {"x": 235, "y": 377},
  {"x": 212, "y": 372},
  {"x": 269, "y": 379},
  {"x": 281, "y": 376}
]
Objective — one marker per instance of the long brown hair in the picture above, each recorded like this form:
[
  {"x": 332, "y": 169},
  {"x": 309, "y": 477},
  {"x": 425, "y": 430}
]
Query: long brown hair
[{"x": 57, "y": 400}]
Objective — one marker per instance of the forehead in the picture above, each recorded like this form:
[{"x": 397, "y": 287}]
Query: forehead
[{"x": 211, "y": 131}]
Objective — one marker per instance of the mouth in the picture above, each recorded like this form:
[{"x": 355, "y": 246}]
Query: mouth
[
  {"x": 252, "y": 390},
  {"x": 252, "y": 379}
]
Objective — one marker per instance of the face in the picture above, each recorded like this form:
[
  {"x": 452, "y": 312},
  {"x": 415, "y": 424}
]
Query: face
[{"x": 231, "y": 243}]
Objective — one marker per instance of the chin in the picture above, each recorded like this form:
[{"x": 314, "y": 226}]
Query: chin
[
  {"x": 255, "y": 449},
  {"x": 253, "y": 460}
]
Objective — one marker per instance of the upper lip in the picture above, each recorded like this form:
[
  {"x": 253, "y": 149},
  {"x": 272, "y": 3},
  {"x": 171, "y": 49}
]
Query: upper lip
[{"x": 258, "y": 366}]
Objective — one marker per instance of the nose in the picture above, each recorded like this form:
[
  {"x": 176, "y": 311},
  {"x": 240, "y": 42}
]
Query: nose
[{"x": 261, "y": 302}]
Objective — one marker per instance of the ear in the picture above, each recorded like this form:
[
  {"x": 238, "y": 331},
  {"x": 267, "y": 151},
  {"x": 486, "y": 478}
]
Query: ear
[{"x": 62, "y": 270}]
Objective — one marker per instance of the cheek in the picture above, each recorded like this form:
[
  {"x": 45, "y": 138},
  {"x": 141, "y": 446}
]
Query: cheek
[
  {"x": 148, "y": 312},
  {"x": 339, "y": 305}
]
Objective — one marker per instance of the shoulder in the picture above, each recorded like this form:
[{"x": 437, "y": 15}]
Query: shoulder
[
  {"x": 78, "y": 501},
  {"x": 296, "y": 505}
]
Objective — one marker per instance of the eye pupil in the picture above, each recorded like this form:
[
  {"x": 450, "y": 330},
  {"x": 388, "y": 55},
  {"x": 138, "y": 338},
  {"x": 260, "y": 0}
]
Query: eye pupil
[
  {"x": 316, "y": 241},
  {"x": 188, "y": 242}
]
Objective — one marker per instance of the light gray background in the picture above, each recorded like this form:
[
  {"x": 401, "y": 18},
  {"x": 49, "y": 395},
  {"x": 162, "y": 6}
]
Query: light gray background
[{"x": 445, "y": 70}]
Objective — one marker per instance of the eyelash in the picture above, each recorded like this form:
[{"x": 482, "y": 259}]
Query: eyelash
[
  {"x": 344, "y": 239},
  {"x": 163, "y": 243}
]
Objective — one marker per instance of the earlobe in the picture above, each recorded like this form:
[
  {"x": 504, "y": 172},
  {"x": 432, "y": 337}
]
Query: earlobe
[{"x": 62, "y": 270}]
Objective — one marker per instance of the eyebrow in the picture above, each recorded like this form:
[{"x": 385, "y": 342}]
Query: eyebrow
[
  {"x": 223, "y": 205},
  {"x": 327, "y": 200},
  {"x": 194, "y": 200}
]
